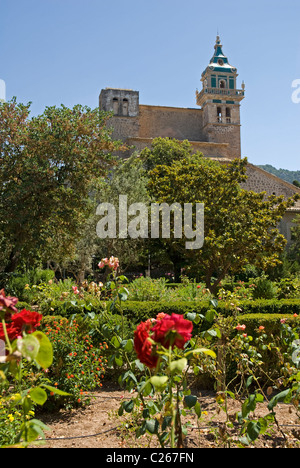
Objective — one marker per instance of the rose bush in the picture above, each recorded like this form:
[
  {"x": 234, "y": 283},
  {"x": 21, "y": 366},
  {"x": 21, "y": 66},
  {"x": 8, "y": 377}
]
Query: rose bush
[
  {"x": 163, "y": 344},
  {"x": 23, "y": 343}
]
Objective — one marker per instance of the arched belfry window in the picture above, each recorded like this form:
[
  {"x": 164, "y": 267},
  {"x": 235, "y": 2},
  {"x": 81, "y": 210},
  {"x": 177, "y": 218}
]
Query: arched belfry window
[
  {"x": 222, "y": 84},
  {"x": 219, "y": 114},
  {"x": 125, "y": 107},
  {"x": 116, "y": 106}
]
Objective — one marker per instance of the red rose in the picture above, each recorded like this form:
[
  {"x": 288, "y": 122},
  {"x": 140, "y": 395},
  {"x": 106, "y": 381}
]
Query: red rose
[
  {"x": 26, "y": 321},
  {"x": 11, "y": 330},
  {"x": 172, "y": 330},
  {"x": 142, "y": 345}
]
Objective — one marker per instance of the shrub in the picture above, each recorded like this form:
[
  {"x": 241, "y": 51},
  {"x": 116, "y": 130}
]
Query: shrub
[
  {"x": 136, "y": 311},
  {"x": 20, "y": 284},
  {"x": 265, "y": 289},
  {"x": 78, "y": 365}
]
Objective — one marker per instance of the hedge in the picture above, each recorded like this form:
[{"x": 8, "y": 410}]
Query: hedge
[
  {"x": 137, "y": 311},
  {"x": 271, "y": 322}
]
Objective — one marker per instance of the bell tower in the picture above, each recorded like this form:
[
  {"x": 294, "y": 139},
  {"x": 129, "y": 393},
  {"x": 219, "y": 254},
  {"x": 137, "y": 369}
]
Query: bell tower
[{"x": 220, "y": 101}]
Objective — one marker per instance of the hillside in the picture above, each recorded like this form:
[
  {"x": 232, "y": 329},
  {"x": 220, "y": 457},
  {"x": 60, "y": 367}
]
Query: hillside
[{"x": 285, "y": 174}]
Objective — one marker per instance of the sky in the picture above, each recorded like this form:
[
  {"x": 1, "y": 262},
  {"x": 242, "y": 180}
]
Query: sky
[{"x": 55, "y": 52}]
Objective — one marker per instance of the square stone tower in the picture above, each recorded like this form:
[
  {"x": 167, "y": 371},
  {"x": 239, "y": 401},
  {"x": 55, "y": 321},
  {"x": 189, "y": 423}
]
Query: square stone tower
[{"x": 124, "y": 104}]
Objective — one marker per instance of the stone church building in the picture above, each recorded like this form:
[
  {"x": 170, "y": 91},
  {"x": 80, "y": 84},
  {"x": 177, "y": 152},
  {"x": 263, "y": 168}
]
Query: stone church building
[{"x": 212, "y": 128}]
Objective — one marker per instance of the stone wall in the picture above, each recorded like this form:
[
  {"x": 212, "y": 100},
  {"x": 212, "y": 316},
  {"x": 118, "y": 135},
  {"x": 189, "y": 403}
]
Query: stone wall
[
  {"x": 262, "y": 181},
  {"x": 172, "y": 122}
]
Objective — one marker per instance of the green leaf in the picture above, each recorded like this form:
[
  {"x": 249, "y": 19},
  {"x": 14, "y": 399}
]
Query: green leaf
[
  {"x": 191, "y": 316},
  {"x": 159, "y": 382},
  {"x": 33, "y": 429},
  {"x": 152, "y": 426},
  {"x": 206, "y": 351},
  {"x": 210, "y": 315},
  {"x": 166, "y": 422},
  {"x": 128, "y": 345},
  {"x": 197, "y": 409},
  {"x": 145, "y": 388},
  {"x": 249, "y": 381},
  {"x": 45, "y": 354},
  {"x": 277, "y": 398},
  {"x": 178, "y": 366},
  {"x": 38, "y": 395},
  {"x": 55, "y": 390},
  {"x": 253, "y": 430},
  {"x": 190, "y": 400},
  {"x": 116, "y": 342},
  {"x": 121, "y": 410},
  {"x": 250, "y": 403},
  {"x": 118, "y": 361},
  {"x": 128, "y": 406}
]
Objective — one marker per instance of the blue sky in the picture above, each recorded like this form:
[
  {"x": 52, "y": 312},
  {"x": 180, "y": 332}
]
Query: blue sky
[{"x": 65, "y": 51}]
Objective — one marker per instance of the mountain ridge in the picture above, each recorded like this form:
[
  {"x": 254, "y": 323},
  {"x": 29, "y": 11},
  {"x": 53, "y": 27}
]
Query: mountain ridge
[{"x": 284, "y": 174}]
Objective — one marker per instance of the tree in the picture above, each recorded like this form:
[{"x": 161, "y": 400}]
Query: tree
[
  {"x": 241, "y": 227},
  {"x": 47, "y": 167},
  {"x": 164, "y": 151},
  {"x": 294, "y": 251},
  {"x": 126, "y": 178}
]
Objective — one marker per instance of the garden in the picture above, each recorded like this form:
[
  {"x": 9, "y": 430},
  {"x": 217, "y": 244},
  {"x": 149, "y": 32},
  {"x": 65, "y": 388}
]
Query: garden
[
  {"x": 172, "y": 365},
  {"x": 140, "y": 342}
]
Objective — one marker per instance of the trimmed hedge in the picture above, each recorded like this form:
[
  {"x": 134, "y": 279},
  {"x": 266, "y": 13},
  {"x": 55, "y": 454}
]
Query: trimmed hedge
[
  {"x": 271, "y": 322},
  {"x": 139, "y": 311}
]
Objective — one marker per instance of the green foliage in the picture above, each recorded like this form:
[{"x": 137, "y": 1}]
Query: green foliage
[
  {"x": 78, "y": 362},
  {"x": 21, "y": 284},
  {"x": 265, "y": 289},
  {"x": 241, "y": 227},
  {"x": 128, "y": 178},
  {"x": 295, "y": 247},
  {"x": 138, "y": 311},
  {"x": 148, "y": 289},
  {"x": 33, "y": 349},
  {"x": 164, "y": 151},
  {"x": 47, "y": 165}
]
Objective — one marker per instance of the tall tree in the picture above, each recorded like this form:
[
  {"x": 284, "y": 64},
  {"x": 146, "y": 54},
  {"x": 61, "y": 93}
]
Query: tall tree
[
  {"x": 294, "y": 250},
  {"x": 127, "y": 178},
  {"x": 241, "y": 227},
  {"x": 47, "y": 166}
]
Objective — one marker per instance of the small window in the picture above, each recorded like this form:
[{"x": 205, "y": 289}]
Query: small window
[
  {"x": 228, "y": 115},
  {"x": 116, "y": 106},
  {"x": 219, "y": 114},
  {"x": 125, "y": 107},
  {"x": 222, "y": 84}
]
